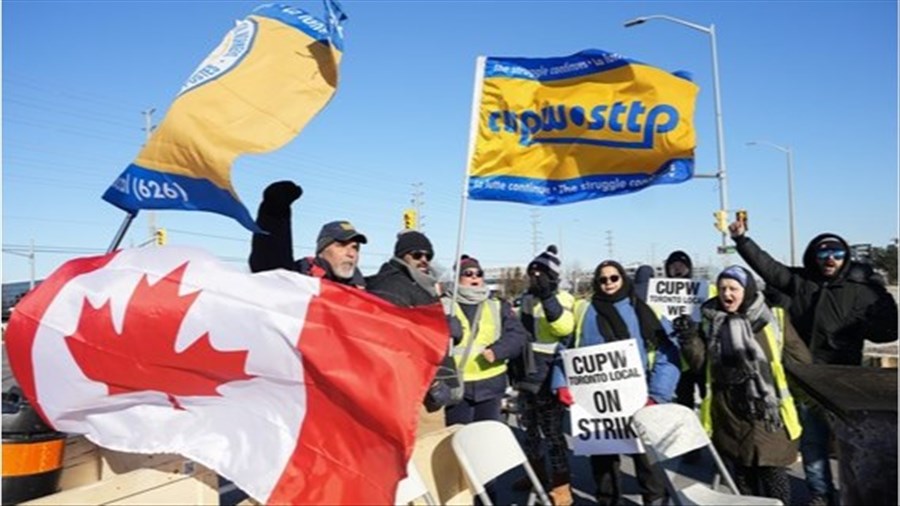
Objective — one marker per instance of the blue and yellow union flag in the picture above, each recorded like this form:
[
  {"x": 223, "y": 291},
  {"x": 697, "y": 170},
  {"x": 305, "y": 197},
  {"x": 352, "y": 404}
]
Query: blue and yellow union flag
[
  {"x": 594, "y": 124},
  {"x": 265, "y": 81}
]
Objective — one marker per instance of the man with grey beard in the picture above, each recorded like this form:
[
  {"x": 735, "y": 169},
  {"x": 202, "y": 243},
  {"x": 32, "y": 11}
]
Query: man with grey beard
[{"x": 337, "y": 247}]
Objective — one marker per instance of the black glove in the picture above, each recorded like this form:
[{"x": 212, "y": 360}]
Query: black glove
[
  {"x": 541, "y": 286},
  {"x": 685, "y": 327},
  {"x": 278, "y": 197}
]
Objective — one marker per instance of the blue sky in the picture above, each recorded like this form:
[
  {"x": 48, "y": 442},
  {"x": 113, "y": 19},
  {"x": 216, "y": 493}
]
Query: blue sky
[{"x": 820, "y": 77}]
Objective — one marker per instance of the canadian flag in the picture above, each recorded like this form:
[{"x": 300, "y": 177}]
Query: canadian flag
[{"x": 298, "y": 390}]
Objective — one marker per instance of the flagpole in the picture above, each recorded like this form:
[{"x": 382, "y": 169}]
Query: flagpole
[
  {"x": 120, "y": 234},
  {"x": 473, "y": 137}
]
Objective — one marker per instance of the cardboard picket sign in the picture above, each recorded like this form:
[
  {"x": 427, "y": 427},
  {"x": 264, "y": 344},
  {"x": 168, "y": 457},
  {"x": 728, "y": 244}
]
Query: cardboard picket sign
[
  {"x": 671, "y": 298},
  {"x": 609, "y": 384}
]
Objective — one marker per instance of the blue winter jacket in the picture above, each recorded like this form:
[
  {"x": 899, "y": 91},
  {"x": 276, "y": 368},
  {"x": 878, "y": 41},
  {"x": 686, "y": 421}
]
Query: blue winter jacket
[{"x": 662, "y": 378}]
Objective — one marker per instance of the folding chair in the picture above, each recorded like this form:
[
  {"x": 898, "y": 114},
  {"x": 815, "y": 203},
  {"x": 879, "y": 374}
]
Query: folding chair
[
  {"x": 669, "y": 431},
  {"x": 412, "y": 487},
  {"x": 486, "y": 450}
]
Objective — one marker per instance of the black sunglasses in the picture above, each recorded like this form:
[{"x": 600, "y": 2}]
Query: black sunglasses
[
  {"x": 468, "y": 273},
  {"x": 418, "y": 255},
  {"x": 612, "y": 279}
]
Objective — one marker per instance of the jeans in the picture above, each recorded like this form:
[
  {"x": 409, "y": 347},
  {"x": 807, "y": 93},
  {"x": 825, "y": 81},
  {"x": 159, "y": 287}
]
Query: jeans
[{"x": 814, "y": 448}]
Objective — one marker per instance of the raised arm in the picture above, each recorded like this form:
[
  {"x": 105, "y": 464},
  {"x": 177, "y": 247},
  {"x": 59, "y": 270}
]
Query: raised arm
[
  {"x": 772, "y": 271},
  {"x": 275, "y": 249}
]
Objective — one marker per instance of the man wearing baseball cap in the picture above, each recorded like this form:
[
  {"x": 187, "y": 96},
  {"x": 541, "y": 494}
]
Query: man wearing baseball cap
[
  {"x": 337, "y": 247},
  {"x": 833, "y": 314}
]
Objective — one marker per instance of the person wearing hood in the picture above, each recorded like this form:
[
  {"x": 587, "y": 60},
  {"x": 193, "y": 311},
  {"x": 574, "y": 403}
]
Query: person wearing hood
[
  {"x": 337, "y": 247},
  {"x": 546, "y": 312},
  {"x": 679, "y": 265},
  {"x": 486, "y": 335},
  {"x": 741, "y": 347},
  {"x": 833, "y": 314},
  {"x": 616, "y": 313}
]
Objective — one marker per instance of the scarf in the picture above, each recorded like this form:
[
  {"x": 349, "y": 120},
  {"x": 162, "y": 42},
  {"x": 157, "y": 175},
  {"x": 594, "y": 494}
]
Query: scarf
[
  {"x": 610, "y": 322},
  {"x": 425, "y": 281},
  {"x": 739, "y": 363},
  {"x": 471, "y": 295}
]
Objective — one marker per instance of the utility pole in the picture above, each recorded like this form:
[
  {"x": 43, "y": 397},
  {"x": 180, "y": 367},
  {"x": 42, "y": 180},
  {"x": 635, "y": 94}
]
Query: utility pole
[
  {"x": 535, "y": 232},
  {"x": 417, "y": 202},
  {"x": 148, "y": 131},
  {"x": 609, "y": 244}
]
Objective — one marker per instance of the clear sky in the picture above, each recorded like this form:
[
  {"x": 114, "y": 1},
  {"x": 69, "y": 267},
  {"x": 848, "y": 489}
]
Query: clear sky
[{"x": 820, "y": 77}]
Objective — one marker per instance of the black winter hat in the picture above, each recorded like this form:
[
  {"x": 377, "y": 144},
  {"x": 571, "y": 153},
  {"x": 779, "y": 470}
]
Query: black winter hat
[
  {"x": 411, "y": 240},
  {"x": 679, "y": 256},
  {"x": 547, "y": 262}
]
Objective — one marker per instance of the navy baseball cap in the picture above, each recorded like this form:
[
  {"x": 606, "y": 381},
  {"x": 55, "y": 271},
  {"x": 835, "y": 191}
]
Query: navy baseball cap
[{"x": 342, "y": 231}]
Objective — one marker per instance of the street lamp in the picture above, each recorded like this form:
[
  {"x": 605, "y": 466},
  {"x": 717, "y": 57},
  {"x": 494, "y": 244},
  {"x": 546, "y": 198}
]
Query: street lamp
[
  {"x": 720, "y": 136},
  {"x": 790, "y": 170}
]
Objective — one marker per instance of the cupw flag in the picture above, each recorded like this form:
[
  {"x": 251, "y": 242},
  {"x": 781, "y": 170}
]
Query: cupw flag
[{"x": 296, "y": 389}]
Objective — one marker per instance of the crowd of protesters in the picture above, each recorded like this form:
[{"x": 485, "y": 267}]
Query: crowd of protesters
[{"x": 733, "y": 359}]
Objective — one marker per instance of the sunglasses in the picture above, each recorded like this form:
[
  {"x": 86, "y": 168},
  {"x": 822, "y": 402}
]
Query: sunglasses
[
  {"x": 837, "y": 254},
  {"x": 418, "y": 255},
  {"x": 612, "y": 279},
  {"x": 468, "y": 273}
]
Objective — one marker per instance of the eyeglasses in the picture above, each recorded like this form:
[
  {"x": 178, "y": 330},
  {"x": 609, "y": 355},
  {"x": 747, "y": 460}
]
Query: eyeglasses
[
  {"x": 612, "y": 279},
  {"x": 418, "y": 255},
  {"x": 468, "y": 273},
  {"x": 837, "y": 254}
]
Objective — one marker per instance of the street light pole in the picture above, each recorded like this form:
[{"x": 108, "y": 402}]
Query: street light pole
[
  {"x": 790, "y": 173},
  {"x": 721, "y": 173}
]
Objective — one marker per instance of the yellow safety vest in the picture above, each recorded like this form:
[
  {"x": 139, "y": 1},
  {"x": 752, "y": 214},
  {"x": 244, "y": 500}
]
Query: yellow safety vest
[
  {"x": 580, "y": 311},
  {"x": 489, "y": 327},
  {"x": 787, "y": 408},
  {"x": 548, "y": 335}
]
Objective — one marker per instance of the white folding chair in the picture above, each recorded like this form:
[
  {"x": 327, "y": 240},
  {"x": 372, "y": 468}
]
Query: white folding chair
[
  {"x": 486, "y": 450},
  {"x": 412, "y": 487},
  {"x": 669, "y": 431}
]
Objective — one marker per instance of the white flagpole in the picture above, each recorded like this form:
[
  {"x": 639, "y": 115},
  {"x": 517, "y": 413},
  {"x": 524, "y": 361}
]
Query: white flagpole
[{"x": 473, "y": 136}]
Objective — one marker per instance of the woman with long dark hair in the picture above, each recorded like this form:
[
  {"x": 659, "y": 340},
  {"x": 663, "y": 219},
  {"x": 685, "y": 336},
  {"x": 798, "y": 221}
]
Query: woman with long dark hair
[{"x": 616, "y": 313}]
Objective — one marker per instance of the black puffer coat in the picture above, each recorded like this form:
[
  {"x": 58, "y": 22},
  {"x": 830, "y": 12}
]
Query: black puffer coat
[{"x": 832, "y": 315}]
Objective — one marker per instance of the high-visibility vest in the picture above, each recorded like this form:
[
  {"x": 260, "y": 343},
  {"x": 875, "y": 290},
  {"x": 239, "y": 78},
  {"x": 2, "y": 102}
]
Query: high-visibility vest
[
  {"x": 581, "y": 310},
  {"x": 489, "y": 328},
  {"x": 548, "y": 335},
  {"x": 787, "y": 408}
]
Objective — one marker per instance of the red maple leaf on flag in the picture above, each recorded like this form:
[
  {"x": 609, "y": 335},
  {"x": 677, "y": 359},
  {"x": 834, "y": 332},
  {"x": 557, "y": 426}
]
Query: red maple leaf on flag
[{"x": 143, "y": 356}]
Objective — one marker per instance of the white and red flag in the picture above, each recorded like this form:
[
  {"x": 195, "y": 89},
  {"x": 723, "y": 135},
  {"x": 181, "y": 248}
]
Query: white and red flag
[{"x": 298, "y": 390}]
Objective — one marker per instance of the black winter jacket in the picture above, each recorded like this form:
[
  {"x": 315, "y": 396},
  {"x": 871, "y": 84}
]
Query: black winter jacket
[
  {"x": 832, "y": 316},
  {"x": 394, "y": 284}
]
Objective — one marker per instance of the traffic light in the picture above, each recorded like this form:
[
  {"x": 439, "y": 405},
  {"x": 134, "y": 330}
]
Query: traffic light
[
  {"x": 160, "y": 236},
  {"x": 721, "y": 220},
  {"x": 409, "y": 220}
]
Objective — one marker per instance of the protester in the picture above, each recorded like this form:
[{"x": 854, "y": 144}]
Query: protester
[
  {"x": 407, "y": 279},
  {"x": 616, "y": 313},
  {"x": 833, "y": 315},
  {"x": 337, "y": 247},
  {"x": 679, "y": 265},
  {"x": 486, "y": 334},
  {"x": 741, "y": 347},
  {"x": 546, "y": 312}
]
